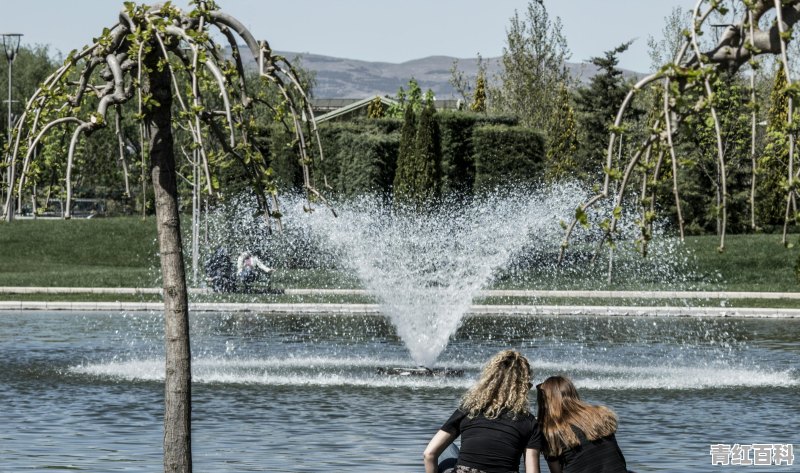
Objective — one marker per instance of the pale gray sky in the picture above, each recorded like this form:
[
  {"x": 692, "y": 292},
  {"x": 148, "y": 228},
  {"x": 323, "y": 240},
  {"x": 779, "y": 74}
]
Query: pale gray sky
[{"x": 373, "y": 30}]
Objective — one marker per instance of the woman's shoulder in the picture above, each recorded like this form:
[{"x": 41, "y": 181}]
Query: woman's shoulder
[{"x": 521, "y": 417}]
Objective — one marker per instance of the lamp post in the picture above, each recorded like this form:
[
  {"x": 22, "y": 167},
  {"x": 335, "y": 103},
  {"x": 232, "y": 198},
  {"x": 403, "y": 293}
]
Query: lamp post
[{"x": 10, "y": 47}]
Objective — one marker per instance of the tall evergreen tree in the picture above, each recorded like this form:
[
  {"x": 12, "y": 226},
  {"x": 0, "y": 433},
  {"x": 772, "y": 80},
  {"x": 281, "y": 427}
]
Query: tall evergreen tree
[
  {"x": 428, "y": 155},
  {"x": 597, "y": 105},
  {"x": 562, "y": 141},
  {"x": 403, "y": 178},
  {"x": 479, "y": 98},
  {"x": 771, "y": 176},
  {"x": 375, "y": 108}
]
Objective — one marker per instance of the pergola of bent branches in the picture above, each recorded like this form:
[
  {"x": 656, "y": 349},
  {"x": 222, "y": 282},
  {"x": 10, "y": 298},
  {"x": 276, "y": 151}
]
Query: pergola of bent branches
[
  {"x": 692, "y": 72},
  {"x": 158, "y": 56},
  {"x": 109, "y": 73}
]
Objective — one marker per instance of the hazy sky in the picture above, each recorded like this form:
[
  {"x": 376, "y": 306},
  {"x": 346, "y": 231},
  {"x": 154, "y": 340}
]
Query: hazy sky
[{"x": 373, "y": 30}]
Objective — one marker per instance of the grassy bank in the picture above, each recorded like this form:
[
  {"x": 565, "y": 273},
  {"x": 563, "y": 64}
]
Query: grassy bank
[
  {"x": 122, "y": 252},
  {"x": 112, "y": 252},
  {"x": 757, "y": 262},
  {"x": 354, "y": 299}
]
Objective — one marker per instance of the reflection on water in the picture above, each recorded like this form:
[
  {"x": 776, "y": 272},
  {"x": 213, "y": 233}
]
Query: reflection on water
[{"x": 302, "y": 393}]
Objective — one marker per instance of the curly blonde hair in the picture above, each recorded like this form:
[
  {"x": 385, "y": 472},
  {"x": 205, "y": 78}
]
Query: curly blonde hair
[
  {"x": 502, "y": 387},
  {"x": 561, "y": 409}
]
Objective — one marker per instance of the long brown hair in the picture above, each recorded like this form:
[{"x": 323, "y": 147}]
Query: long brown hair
[
  {"x": 502, "y": 387},
  {"x": 561, "y": 409}
]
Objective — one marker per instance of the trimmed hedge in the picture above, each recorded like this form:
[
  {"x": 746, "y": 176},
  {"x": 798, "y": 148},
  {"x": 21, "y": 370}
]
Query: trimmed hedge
[
  {"x": 458, "y": 163},
  {"x": 361, "y": 155},
  {"x": 330, "y": 134},
  {"x": 284, "y": 159},
  {"x": 335, "y": 137},
  {"x": 367, "y": 162},
  {"x": 505, "y": 154}
]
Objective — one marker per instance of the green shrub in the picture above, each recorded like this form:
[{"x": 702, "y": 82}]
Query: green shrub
[
  {"x": 367, "y": 162},
  {"x": 506, "y": 154},
  {"x": 458, "y": 163},
  {"x": 284, "y": 158}
]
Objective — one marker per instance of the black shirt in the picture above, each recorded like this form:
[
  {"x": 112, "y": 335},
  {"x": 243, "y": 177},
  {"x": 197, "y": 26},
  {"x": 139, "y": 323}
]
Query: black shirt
[
  {"x": 494, "y": 445},
  {"x": 599, "y": 456}
]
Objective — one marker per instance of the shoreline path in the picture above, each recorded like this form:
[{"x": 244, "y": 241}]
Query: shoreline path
[{"x": 684, "y": 310}]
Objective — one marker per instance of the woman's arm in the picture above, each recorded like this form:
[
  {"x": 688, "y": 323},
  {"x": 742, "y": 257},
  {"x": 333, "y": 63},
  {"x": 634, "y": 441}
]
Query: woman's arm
[
  {"x": 531, "y": 460},
  {"x": 435, "y": 447},
  {"x": 260, "y": 265}
]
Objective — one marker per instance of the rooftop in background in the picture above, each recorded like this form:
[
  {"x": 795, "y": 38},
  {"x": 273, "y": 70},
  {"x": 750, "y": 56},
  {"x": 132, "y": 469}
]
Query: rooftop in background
[{"x": 330, "y": 109}]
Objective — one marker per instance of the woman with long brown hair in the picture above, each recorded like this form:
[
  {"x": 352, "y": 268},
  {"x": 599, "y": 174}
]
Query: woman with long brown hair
[
  {"x": 494, "y": 422},
  {"x": 578, "y": 437}
]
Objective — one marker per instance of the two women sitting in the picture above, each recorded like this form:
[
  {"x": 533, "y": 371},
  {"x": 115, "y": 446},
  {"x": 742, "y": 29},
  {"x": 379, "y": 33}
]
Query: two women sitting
[{"x": 497, "y": 427}]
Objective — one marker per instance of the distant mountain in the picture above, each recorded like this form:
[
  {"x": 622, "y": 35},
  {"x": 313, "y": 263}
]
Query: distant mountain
[{"x": 355, "y": 79}]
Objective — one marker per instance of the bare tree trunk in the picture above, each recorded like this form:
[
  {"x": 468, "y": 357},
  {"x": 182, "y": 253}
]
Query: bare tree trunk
[{"x": 177, "y": 388}]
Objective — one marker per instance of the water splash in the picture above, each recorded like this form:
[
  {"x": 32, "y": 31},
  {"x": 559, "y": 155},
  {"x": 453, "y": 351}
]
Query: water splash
[
  {"x": 426, "y": 267},
  {"x": 361, "y": 372}
]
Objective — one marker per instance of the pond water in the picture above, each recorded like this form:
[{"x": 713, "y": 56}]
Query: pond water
[{"x": 83, "y": 391}]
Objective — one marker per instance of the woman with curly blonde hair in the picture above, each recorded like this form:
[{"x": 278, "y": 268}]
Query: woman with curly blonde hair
[
  {"x": 578, "y": 437},
  {"x": 494, "y": 422}
]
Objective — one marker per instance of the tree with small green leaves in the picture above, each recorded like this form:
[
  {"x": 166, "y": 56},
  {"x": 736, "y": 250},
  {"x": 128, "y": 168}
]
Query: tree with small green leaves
[
  {"x": 534, "y": 66},
  {"x": 690, "y": 85},
  {"x": 412, "y": 97},
  {"x": 162, "y": 60}
]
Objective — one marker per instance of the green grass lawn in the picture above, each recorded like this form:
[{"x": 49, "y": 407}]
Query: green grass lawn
[
  {"x": 103, "y": 252},
  {"x": 122, "y": 252},
  {"x": 757, "y": 262}
]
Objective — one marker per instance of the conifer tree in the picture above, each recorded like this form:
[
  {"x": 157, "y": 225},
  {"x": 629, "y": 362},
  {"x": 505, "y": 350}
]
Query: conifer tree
[
  {"x": 428, "y": 155},
  {"x": 562, "y": 139},
  {"x": 771, "y": 177},
  {"x": 479, "y": 98},
  {"x": 403, "y": 178},
  {"x": 375, "y": 108},
  {"x": 597, "y": 105}
]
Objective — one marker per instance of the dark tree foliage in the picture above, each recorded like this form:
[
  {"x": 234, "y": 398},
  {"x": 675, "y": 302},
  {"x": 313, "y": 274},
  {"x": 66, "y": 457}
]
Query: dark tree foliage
[
  {"x": 31, "y": 67},
  {"x": 771, "y": 171},
  {"x": 404, "y": 176},
  {"x": 597, "y": 104},
  {"x": 428, "y": 156},
  {"x": 368, "y": 163},
  {"x": 701, "y": 170},
  {"x": 507, "y": 156}
]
